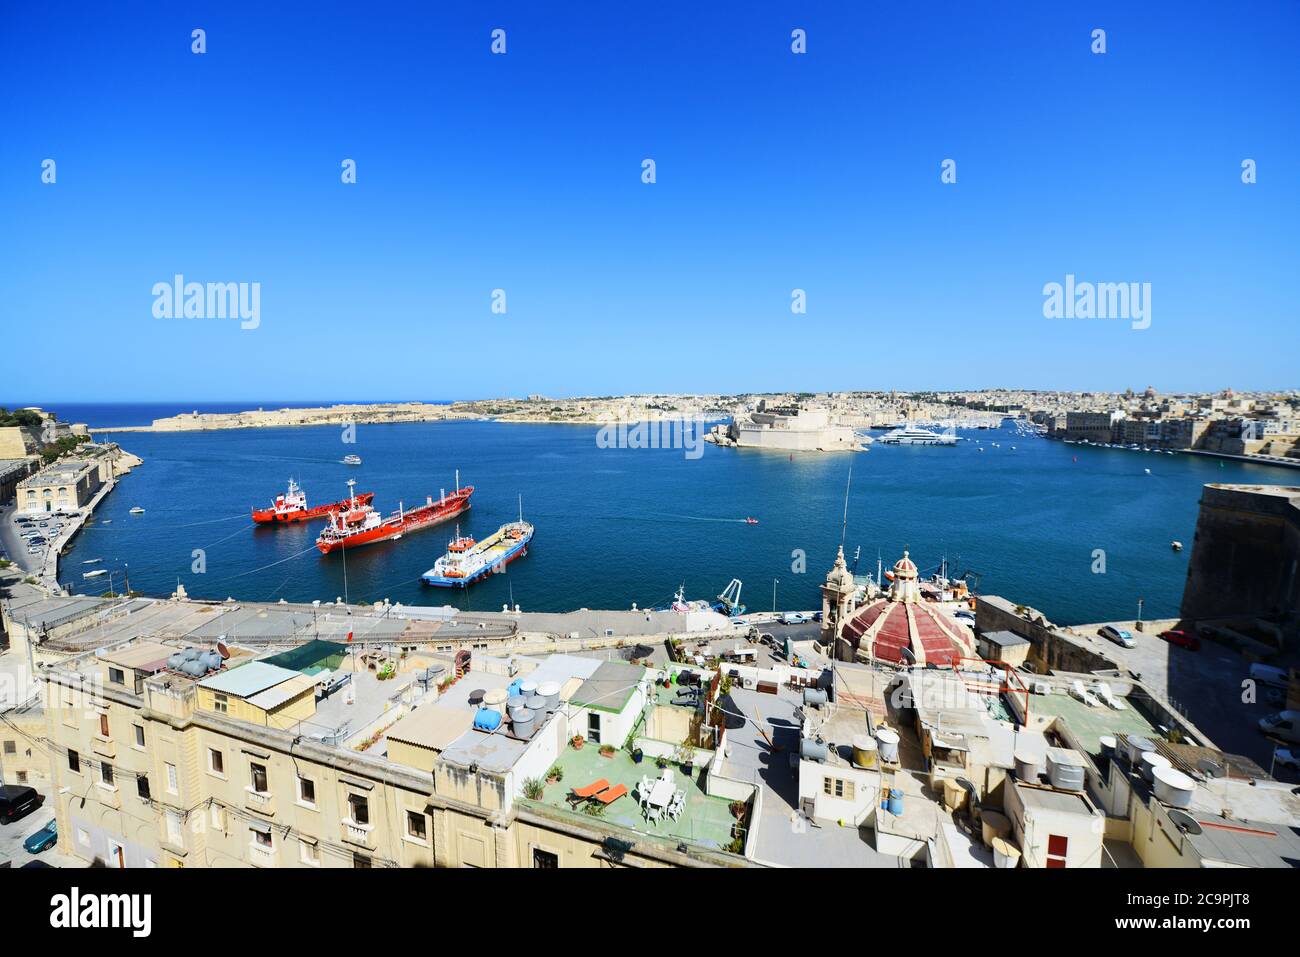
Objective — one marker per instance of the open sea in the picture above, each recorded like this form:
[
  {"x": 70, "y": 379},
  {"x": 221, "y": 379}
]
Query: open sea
[{"x": 618, "y": 526}]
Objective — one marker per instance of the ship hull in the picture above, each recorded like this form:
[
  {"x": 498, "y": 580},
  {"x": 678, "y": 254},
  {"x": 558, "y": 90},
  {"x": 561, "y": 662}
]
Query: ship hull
[
  {"x": 519, "y": 550},
  {"x": 394, "y": 527},
  {"x": 269, "y": 516}
]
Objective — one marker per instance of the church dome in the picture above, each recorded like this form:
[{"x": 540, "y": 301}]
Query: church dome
[{"x": 904, "y": 567}]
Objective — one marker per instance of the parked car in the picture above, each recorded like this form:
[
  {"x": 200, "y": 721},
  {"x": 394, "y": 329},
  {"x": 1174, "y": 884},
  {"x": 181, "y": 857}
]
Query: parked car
[
  {"x": 1284, "y": 725},
  {"x": 1118, "y": 635},
  {"x": 15, "y": 801},
  {"x": 1287, "y": 758},
  {"x": 44, "y": 839},
  {"x": 817, "y": 616},
  {"x": 964, "y": 615},
  {"x": 1176, "y": 636},
  {"x": 792, "y": 618},
  {"x": 1269, "y": 675}
]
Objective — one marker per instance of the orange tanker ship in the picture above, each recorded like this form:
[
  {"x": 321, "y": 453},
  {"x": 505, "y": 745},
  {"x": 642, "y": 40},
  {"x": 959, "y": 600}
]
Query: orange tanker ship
[
  {"x": 292, "y": 507},
  {"x": 359, "y": 524}
]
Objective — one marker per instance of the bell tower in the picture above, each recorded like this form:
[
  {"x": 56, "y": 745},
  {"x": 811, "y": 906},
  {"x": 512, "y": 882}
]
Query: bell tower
[{"x": 837, "y": 599}]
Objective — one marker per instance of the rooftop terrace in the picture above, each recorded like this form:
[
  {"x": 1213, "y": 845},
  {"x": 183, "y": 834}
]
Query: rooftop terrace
[{"x": 1090, "y": 724}]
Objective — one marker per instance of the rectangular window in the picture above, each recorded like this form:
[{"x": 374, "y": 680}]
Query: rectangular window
[
  {"x": 545, "y": 859},
  {"x": 22, "y": 777},
  {"x": 11, "y": 747},
  {"x": 74, "y": 761},
  {"x": 142, "y": 786},
  {"x": 258, "y": 774},
  {"x": 361, "y": 860},
  {"x": 106, "y": 773},
  {"x": 416, "y": 825},
  {"x": 219, "y": 703},
  {"x": 216, "y": 761},
  {"x": 139, "y": 735},
  {"x": 307, "y": 791},
  {"x": 263, "y": 838},
  {"x": 838, "y": 787},
  {"x": 360, "y": 809},
  {"x": 103, "y": 725},
  {"x": 171, "y": 779},
  {"x": 593, "y": 727},
  {"x": 308, "y": 853},
  {"x": 117, "y": 676}
]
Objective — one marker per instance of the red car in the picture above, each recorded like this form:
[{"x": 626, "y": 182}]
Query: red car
[{"x": 1182, "y": 639}]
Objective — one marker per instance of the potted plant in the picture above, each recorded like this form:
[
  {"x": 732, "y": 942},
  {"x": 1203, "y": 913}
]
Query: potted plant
[
  {"x": 555, "y": 774},
  {"x": 606, "y": 750},
  {"x": 637, "y": 754},
  {"x": 686, "y": 756},
  {"x": 533, "y": 789},
  {"x": 577, "y": 741},
  {"x": 662, "y": 762},
  {"x": 738, "y": 810}
]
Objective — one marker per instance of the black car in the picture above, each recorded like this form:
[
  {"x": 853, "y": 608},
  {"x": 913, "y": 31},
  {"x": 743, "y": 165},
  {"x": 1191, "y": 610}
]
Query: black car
[{"x": 15, "y": 801}]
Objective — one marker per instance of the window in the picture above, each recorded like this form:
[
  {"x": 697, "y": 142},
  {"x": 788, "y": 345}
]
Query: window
[
  {"x": 593, "y": 727},
  {"x": 1056, "y": 850},
  {"x": 74, "y": 761},
  {"x": 360, "y": 809},
  {"x": 142, "y": 786},
  {"x": 216, "y": 761},
  {"x": 307, "y": 791},
  {"x": 545, "y": 859},
  {"x": 117, "y": 676},
  {"x": 139, "y": 736},
  {"x": 838, "y": 787},
  {"x": 416, "y": 825},
  {"x": 219, "y": 703},
  {"x": 171, "y": 779},
  {"x": 106, "y": 774},
  {"x": 103, "y": 725},
  {"x": 173, "y": 820},
  {"x": 22, "y": 777},
  {"x": 262, "y": 838},
  {"x": 308, "y": 853},
  {"x": 258, "y": 774},
  {"x": 11, "y": 747},
  {"x": 361, "y": 860}
]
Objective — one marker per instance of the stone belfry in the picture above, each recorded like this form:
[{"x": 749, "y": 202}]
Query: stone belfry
[{"x": 837, "y": 600}]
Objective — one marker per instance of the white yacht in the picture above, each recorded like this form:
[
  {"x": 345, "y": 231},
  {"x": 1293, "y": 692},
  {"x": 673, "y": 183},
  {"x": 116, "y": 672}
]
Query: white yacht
[{"x": 912, "y": 435}]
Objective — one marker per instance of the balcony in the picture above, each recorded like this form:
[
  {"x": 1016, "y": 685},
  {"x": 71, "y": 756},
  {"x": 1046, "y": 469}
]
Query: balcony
[
  {"x": 103, "y": 747},
  {"x": 260, "y": 856},
  {"x": 358, "y": 834},
  {"x": 260, "y": 802}
]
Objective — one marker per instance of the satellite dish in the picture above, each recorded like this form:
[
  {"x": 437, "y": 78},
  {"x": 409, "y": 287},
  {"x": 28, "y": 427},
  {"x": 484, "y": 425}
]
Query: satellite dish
[
  {"x": 222, "y": 650},
  {"x": 1184, "y": 821}
]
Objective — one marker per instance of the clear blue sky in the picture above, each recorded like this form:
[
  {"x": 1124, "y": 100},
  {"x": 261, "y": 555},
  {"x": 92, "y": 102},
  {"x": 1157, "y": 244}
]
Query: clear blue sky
[{"x": 522, "y": 172}]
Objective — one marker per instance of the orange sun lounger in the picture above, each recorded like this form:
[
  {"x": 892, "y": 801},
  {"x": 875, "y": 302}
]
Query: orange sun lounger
[
  {"x": 591, "y": 790},
  {"x": 612, "y": 795}
]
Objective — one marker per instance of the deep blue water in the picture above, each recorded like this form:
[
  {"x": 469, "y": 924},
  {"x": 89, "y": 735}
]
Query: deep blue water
[{"x": 616, "y": 526}]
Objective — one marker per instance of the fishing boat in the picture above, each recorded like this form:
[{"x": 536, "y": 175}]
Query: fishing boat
[
  {"x": 292, "y": 507},
  {"x": 137, "y": 510},
  {"x": 360, "y": 524},
  {"x": 468, "y": 561},
  {"x": 751, "y": 521},
  {"x": 351, "y": 460},
  {"x": 95, "y": 574}
]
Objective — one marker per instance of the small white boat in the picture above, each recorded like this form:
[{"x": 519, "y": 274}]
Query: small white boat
[
  {"x": 1176, "y": 546},
  {"x": 92, "y": 561},
  {"x": 137, "y": 510},
  {"x": 95, "y": 574},
  {"x": 351, "y": 460},
  {"x": 1147, "y": 471}
]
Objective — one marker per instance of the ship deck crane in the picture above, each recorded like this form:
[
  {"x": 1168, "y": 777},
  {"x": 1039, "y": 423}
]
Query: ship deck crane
[{"x": 729, "y": 601}]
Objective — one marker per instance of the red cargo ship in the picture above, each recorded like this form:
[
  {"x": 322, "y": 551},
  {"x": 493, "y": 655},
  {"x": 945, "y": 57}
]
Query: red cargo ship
[
  {"x": 359, "y": 524},
  {"x": 292, "y": 507}
]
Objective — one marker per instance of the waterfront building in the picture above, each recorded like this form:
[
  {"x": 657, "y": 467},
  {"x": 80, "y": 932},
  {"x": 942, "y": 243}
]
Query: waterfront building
[
  {"x": 1097, "y": 427},
  {"x": 60, "y": 487}
]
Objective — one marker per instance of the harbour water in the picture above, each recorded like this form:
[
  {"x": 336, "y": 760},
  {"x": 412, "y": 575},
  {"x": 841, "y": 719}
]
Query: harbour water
[{"x": 617, "y": 526}]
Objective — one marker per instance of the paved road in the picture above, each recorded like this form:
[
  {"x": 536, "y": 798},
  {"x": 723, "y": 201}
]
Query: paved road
[{"x": 13, "y": 835}]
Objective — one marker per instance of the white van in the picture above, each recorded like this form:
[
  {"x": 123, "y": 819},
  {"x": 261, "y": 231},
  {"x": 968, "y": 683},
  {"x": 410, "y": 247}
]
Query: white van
[{"x": 1285, "y": 725}]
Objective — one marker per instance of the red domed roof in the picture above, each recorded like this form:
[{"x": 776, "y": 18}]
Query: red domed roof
[{"x": 884, "y": 628}]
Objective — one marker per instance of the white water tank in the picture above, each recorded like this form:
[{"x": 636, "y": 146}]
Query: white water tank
[
  {"x": 1065, "y": 769},
  {"x": 1149, "y": 761},
  {"x": 887, "y": 739},
  {"x": 1136, "y": 745},
  {"x": 1173, "y": 787},
  {"x": 1029, "y": 767},
  {"x": 495, "y": 700}
]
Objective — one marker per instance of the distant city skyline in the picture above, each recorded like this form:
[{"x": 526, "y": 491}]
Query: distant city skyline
[{"x": 777, "y": 173}]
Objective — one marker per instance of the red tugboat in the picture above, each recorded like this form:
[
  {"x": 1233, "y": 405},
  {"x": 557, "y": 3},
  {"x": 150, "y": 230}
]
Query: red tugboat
[
  {"x": 359, "y": 524},
  {"x": 292, "y": 507}
]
